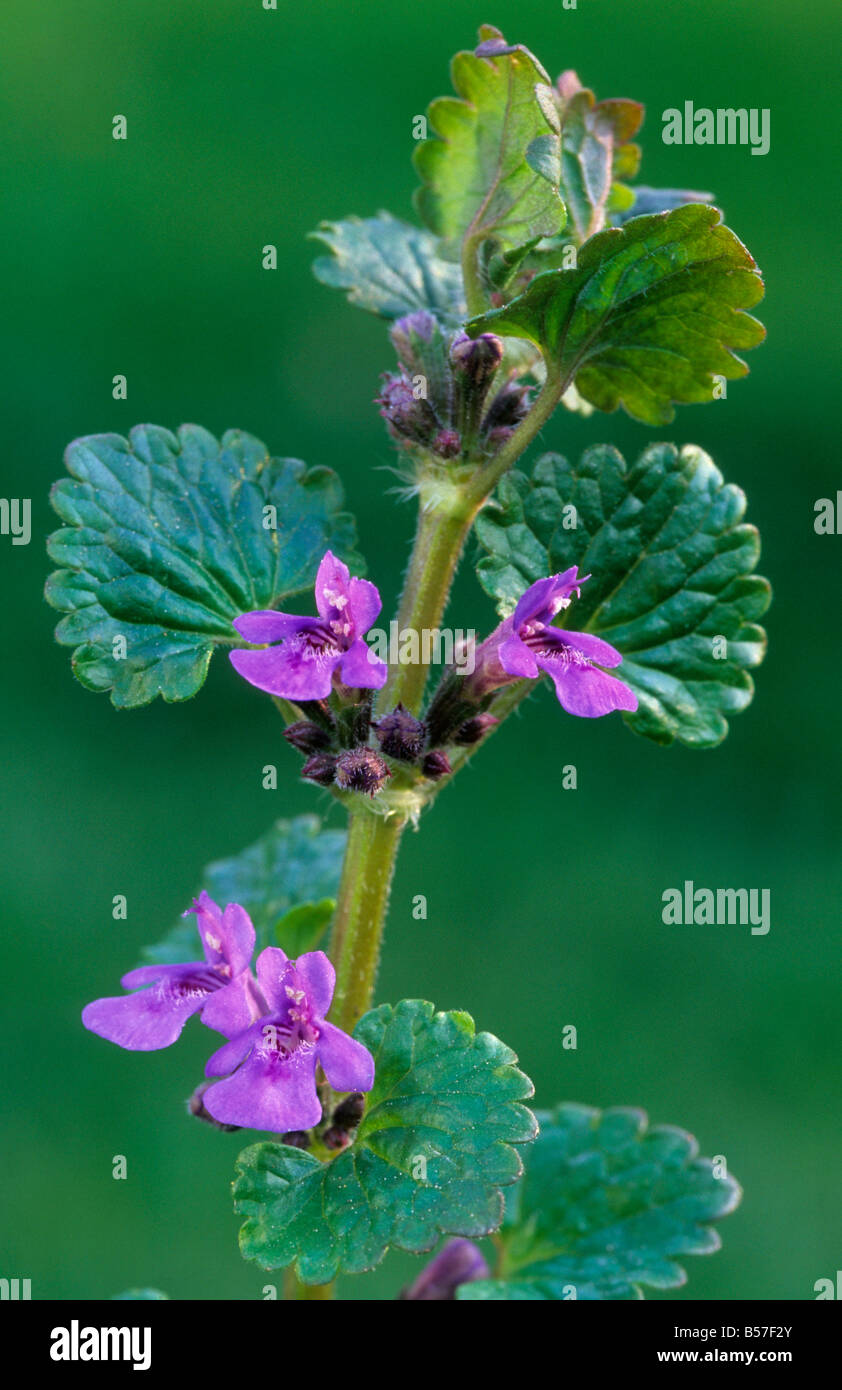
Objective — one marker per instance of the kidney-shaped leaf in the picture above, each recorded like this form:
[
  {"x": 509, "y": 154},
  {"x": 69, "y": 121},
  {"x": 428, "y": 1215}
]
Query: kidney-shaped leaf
[
  {"x": 167, "y": 538},
  {"x": 432, "y": 1152},
  {"x": 606, "y": 1205},
  {"x": 649, "y": 316},
  {"x": 671, "y": 586}
]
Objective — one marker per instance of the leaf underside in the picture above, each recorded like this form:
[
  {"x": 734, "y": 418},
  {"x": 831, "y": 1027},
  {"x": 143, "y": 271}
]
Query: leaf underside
[
  {"x": 490, "y": 170},
  {"x": 389, "y": 268}
]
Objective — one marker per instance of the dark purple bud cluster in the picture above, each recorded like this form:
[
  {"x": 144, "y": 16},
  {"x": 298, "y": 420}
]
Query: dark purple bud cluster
[
  {"x": 361, "y": 770},
  {"x": 345, "y": 1119},
  {"x": 438, "y": 399},
  {"x": 401, "y": 735}
]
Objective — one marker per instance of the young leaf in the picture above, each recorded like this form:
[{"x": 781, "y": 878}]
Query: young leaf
[
  {"x": 594, "y": 142},
  {"x": 647, "y": 200},
  {"x": 168, "y": 538},
  {"x": 389, "y": 268},
  {"x": 295, "y": 866},
  {"x": 648, "y": 317},
  {"x": 491, "y": 167},
  {"x": 605, "y": 1207},
  {"x": 302, "y": 928},
  {"x": 671, "y": 585},
  {"x": 430, "y": 1156}
]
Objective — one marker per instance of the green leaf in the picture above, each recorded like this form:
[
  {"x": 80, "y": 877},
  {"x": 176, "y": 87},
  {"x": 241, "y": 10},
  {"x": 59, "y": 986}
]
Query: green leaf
[
  {"x": 389, "y": 268},
  {"x": 302, "y": 928},
  {"x": 430, "y": 1156},
  {"x": 491, "y": 167},
  {"x": 168, "y": 538},
  {"x": 594, "y": 141},
  {"x": 670, "y": 561},
  {"x": 648, "y": 200},
  {"x": 294, "y": 867},
  {"x": 648, "y": 317},
  {"x": 606, "y": 1205}
]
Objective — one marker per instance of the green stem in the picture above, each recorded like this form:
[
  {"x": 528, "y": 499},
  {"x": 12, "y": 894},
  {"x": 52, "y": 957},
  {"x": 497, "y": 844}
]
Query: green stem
[
  {"x": 486, "y": 478},
  {"x": 443, "y": 526},
  {"x": 361, "y": 911},
  {"x": 295, "y": 1291}
]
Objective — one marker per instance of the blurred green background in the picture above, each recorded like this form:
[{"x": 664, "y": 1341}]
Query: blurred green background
[{"x": 247, "y": 127}]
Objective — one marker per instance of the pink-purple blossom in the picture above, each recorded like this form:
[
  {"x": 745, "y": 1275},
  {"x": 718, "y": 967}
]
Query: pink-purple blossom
[
  {"x": 308, "y": 653},
  {"x": 220, "y": 987},
  {"x": 528, "y": 643},
  {"x": 269, "y": 1071}
]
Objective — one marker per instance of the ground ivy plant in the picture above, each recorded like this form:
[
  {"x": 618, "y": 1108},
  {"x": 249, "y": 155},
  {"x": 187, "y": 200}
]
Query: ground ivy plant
[{"x": 542, "y": 276}]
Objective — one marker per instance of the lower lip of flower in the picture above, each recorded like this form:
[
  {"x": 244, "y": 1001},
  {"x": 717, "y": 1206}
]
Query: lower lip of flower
[
  {"x": 191, "y": 986},
  {"x": 280, "y": 1040},
  {"x": 557, "y": 650},
  {"x": 317, "y": 644}
]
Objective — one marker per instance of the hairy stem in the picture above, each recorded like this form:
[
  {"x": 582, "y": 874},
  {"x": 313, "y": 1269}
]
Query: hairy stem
[
  {"x": 439, "y": 539},
  {"x": 446, "y": 514},
  {"x": 295, "y": 1291},
  {"x": 361, "y": 911}
]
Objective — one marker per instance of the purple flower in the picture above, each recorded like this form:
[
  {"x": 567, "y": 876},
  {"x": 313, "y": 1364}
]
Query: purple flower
[
  {"x": 310, "y": 651},
  {"x": 527, "y": 643},
  {"x": 458, "y": 1262},
  {"x": 272, "y": 1064},
  {"x": 220, "y": 986}
]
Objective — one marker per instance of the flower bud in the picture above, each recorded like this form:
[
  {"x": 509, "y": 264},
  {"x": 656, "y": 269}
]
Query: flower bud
[
  {"x": 401, "y": 735},
  {"x": 436, "y": 764},
  {"x": 320, "y": 768},
  {"x": 349, "y": 1112},
  {"x": 459, "y": 1262},
  {"x": 336, "y": 1138},
  {"x": 474, "y": 729},
  {"x": 507, "y": 408},
  {"x": 478, "y": 358},
  {"x": 297, "y": 1139},
  {"x": 307, "y": 737},
  {"x": 196, "y": 1106},
  {"x": 447, "y": 444},
  {"x": 361, "y": 770}
]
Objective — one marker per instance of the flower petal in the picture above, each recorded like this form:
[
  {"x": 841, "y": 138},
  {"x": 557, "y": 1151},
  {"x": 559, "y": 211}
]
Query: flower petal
[
  {"x": 586, "y": 691},
  {"x": 273, "y": 967},
  {"x": 516, "y": 658},
  {"x": 145, "y": 1021},
  {"x": 231, "y": 1054},
  {"x": 546, "y": 597},
  {"x": 265, "y": 625},
  {"x": 347, "y": 1065},
  {"x": 593, "y": 648},
  {"x": 319, "y": 979},
  {"x": 332, "y": 584},
  {"x": 269, "y": 1092},
  {"x": 233, "y": 1008},
  {"x": 360, "y": 667},
  {"x": 239, "y": 937},
  {"x": 364, "y": 604},
  {"x": 148, "y": 974},
  {"x": 293, "y": 670}
]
